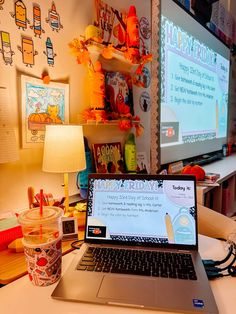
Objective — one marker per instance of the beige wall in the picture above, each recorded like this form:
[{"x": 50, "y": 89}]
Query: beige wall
[{"x": 75, "y": 16}]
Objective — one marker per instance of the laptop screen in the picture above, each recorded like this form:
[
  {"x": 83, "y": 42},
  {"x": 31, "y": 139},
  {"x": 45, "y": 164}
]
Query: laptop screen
[{"x": 153, "y": 210}]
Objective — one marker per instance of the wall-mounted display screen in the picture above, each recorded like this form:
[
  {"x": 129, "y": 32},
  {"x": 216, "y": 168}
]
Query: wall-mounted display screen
[{"x": 194, "y": 82}]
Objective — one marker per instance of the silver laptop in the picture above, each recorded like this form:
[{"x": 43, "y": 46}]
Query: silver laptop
[{"x": 141, "y": 246}]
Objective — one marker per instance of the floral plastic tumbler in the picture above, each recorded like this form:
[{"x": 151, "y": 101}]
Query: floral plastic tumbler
[{"x": 42, "y": 243}]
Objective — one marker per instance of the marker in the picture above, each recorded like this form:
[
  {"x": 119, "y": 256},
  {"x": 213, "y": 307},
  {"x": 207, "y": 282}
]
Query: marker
[
  {"x": 54, "y": 17},
  {"x": 6, "y": 48},
  {"x": 20, "y": 14},
  {"x": 50, "y": 53},
  {"x": 37, "y": 20}
]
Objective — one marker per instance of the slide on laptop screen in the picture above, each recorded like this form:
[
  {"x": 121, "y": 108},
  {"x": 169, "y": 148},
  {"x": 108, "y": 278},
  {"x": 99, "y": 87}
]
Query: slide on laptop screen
[{"x": 142, "y": 209}]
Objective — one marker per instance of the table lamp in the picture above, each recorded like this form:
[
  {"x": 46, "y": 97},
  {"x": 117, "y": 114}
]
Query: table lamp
[{"x": 64, "y": 152}]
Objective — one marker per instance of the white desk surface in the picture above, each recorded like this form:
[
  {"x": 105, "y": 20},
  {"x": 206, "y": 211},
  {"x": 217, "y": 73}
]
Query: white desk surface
[
  {"x": 21, "y": 297},
  {"x": 226, "y": 167}
]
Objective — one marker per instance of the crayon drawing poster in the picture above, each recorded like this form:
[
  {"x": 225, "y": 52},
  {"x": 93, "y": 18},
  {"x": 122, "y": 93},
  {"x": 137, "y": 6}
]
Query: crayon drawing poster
[{"x": 42, "y": 104}]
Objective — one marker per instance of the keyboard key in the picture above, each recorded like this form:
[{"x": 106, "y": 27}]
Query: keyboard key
[
  {"x": 87, "y": 263},
  {"x": 90, "y": 268},
  {"x": 79, "y": 267},
  {"x": 99, "y": 269}
]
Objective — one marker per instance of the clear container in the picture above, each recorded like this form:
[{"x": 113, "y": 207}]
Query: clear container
[
  {"x": 42, "y": 244},
  {"x": 37, "y": 228}
]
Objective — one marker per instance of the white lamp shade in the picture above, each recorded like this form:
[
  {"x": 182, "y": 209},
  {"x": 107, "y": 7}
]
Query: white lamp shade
[{"x": 64, "y": 149}]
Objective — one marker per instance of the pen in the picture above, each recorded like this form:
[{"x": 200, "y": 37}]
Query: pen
[{"x": 62, "y": 200}]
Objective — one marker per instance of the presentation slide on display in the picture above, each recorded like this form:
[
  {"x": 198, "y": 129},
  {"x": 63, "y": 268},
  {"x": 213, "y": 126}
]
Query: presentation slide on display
[
  {"x": 155, "y": 211},
  {"x": 194, "y": 88}
]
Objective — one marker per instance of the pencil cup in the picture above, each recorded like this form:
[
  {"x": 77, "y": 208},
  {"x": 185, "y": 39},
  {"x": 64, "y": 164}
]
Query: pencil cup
[{"x": 42, "y": 243}]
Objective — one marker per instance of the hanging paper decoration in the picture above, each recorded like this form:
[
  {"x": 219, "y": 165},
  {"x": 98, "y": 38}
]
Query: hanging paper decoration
[
  {"x": 145, "y": 101},
  {"x": 54, "y": 19},
  {"x": 20, "y": 15},
  {"x": 6, "y": 50},
  {"x": 132, "y": 35},
  {"x": 145, "y": 28},
  {"x": 49, "y": 52},
  {"x": 1, "y": 3},
  {"x": 27, "y": 50},
  {"x": 37, "y": 26},
  {"x": 143, "y": 79}
]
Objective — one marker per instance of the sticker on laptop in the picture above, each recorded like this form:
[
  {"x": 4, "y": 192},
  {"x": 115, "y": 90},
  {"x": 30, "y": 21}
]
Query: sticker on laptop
[
  {"x": 97, "y": 231},
  {"x": 198, "y": 303}
]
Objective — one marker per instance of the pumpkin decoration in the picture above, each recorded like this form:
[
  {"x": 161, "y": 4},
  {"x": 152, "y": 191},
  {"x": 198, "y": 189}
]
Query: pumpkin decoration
[{"x": 195, "y": 170}]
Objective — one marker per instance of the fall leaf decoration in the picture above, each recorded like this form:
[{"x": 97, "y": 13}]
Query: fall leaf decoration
[
  {"x": 79, "y": 49},
  {"x": 107, "y": 52},
  {"x": 124, "y": 125},
  {"x": 145, "y": 59},
  {"x": 91, "y": 114},
  {"x": 132, "y": 55},
  {"x": 124, "y": 118},
  {"x": 138, "y": 130},
  {"x": 131, "y": 51},
  {"x": 88, "y": 114},
  {"x": 124, "y": 109}
]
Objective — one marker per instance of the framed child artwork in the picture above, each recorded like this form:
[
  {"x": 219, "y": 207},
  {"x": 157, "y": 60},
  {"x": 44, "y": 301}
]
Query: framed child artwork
[{"x": 41, "y": 104}]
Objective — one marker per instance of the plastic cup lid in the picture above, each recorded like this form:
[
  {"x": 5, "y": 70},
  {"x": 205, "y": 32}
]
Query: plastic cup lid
[{"x": 32, "y": 216}]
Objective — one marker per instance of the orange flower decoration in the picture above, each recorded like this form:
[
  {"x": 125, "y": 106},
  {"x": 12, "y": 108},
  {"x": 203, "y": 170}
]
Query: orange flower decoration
[
  {"x": 107, "y": 52},
  {"x": 138, "y": 130},
  {"x": 125, "y": 125},
  {"x": 83, "y": 57},
  {"x": 136, "y": 118},
  {"x": 88, "y": 114},
  {"x": 123, "y": 108},
  {"x": 145, "y": 59}
]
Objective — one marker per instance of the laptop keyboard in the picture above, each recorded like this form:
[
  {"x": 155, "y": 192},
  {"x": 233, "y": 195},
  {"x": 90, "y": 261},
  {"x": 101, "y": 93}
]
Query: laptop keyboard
[{"x": 138, "y": 262}]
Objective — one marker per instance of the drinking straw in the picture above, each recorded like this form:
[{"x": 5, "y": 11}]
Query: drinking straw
[
  {"x": 41, "y": 202},
  {"x": 41, "y": 211}
]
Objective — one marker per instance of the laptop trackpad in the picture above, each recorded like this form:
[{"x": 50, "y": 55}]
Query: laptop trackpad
[{"x": 130, "y": 289}]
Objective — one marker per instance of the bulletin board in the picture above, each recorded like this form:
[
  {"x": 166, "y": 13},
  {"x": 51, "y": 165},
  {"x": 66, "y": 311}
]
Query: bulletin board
[{"x": 155, "y": 110}]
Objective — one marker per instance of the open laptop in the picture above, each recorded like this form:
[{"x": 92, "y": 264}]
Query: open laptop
[{"x": 150, "y": 223}]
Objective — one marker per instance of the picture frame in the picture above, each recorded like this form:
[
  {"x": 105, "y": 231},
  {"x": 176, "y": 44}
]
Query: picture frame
[
  {"x": 69, "y": 228},
  {"x": 41, "y": 104}
]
